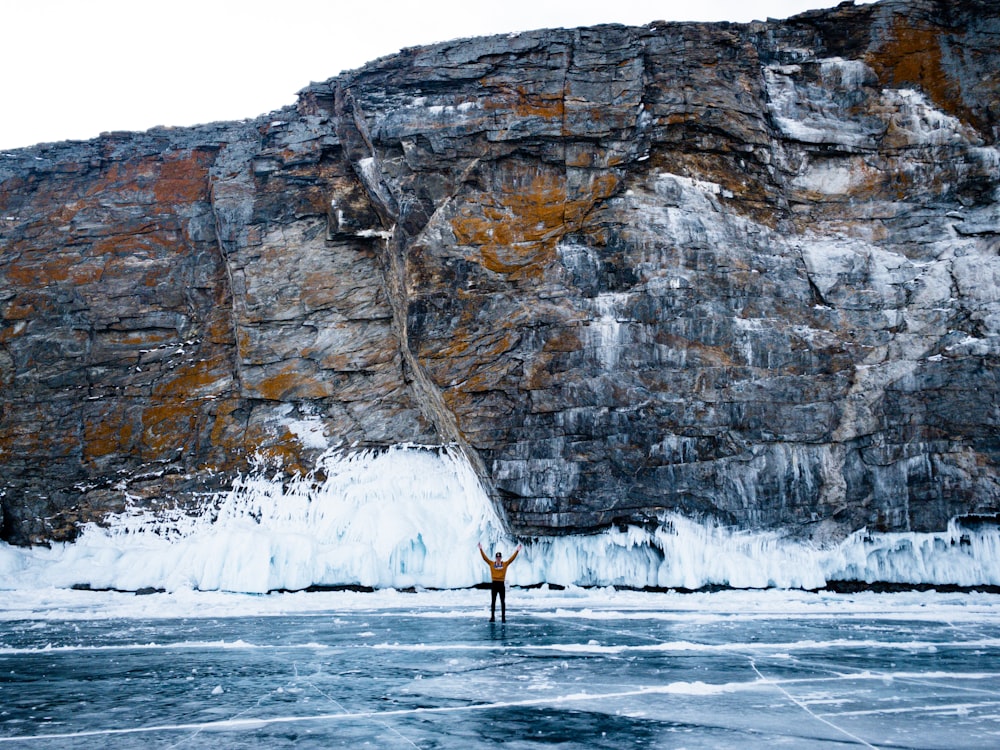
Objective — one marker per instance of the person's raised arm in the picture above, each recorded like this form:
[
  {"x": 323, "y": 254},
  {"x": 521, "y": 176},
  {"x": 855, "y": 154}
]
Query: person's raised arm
[
  {"x": 511, "y": 559},
  {"x": 483, "y": 554}
]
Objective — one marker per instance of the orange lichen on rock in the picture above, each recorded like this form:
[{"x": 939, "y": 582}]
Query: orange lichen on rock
[
  {"x": 516, "y": 226},
  {"x": 912, "y": 56},
  {"x": 223, "y": 422},
  {"x": 107, "y": 434},
  {"x": 274, "y": 445},
  {"x": 25, "y": 306},
  {"x": 520, "y": 102},
  {"x": 183, "y": 178},
  {"x": 284, "y": 451},
  {"x": 196, "y": 380},
  {"x": 52, "y": 268},
  {"x": 168, "y": 428},
  {"x": 289, "y": 383}
]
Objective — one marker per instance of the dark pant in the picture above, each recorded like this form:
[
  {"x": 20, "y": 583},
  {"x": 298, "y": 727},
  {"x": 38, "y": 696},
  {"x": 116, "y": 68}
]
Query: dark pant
[{"x": 497, "y": 587}]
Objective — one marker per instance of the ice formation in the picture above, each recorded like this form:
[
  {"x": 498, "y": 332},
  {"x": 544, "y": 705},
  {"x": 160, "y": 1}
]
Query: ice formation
[{"x": 412, "y": 516}]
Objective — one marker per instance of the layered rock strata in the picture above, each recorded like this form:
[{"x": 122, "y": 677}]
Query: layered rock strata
[{"x": 747, "y": 271}]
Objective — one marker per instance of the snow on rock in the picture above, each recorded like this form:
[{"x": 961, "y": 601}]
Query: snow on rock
[
  {"x": 915, "y": 121},
  {"x": 809, "y": 102},
  {"x": 310, "y": 432},
  {"x": 412, "y": 516}
]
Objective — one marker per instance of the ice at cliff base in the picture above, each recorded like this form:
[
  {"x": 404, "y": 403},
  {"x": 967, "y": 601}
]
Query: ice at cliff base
[{"x": 412, "y": 516}]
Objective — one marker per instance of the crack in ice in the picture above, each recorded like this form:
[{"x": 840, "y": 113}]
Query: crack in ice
[{"x": 808, "y": 710}]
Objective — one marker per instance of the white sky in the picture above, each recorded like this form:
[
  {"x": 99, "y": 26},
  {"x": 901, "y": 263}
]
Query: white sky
[{"x": 72, "y": 69}]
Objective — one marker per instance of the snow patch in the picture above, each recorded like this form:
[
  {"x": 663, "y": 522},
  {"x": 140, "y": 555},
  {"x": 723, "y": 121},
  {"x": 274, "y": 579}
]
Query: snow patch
[
  {"x": 608, "y": 335},
  {"x": 668, "y": 183},
  {"x": 920, "y": 123},
  {"x": 848, "y": 74},
  {"x": 830, "y": 178},
  {"x": 309, "y": 431},
  {"x": 818, "y": 111},
  {"x": 438, "y": 110}
]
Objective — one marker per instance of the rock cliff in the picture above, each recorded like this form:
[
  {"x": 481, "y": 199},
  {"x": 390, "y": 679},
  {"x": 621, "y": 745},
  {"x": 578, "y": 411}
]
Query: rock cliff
[{"x": 742, "y": 271}]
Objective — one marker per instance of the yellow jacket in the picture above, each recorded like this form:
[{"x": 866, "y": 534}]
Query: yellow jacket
[{"x": 498, "y": 570}]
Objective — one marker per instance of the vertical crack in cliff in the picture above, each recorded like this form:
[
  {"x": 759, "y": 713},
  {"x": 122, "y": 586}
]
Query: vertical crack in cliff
[
  {"x": 564, "y": 127},
  {"x": 361, "y": 154},
  {"x": 231, "y": 199}
]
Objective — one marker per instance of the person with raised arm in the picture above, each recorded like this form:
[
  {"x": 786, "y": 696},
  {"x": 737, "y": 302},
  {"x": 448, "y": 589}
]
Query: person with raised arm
[{"x": 498, "y": 573}]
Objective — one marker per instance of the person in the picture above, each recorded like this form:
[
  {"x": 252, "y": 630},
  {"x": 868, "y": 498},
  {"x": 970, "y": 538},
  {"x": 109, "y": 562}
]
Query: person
[{"x": 498, "y": 572}]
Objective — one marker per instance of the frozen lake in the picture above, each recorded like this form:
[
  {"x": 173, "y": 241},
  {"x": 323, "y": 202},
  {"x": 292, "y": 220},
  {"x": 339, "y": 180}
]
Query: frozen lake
[{"x": 571, "y": 669}]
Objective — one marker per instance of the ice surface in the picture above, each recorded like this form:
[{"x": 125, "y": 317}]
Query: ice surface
[
  {"x": 571, "y": 669},
  {"x": 412, "y": 516}
]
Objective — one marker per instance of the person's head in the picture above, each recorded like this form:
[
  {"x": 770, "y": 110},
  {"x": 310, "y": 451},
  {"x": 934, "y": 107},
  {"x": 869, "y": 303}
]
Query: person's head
[{"x": 499, "y": 557}]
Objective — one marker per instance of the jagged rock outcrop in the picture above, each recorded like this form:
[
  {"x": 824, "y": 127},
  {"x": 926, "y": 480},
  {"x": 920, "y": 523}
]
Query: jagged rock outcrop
[{"x": 747, "y": 271}]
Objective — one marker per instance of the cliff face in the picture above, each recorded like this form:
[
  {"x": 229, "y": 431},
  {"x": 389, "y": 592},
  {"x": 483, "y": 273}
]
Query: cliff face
[{"x": 748, "y": 271}]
